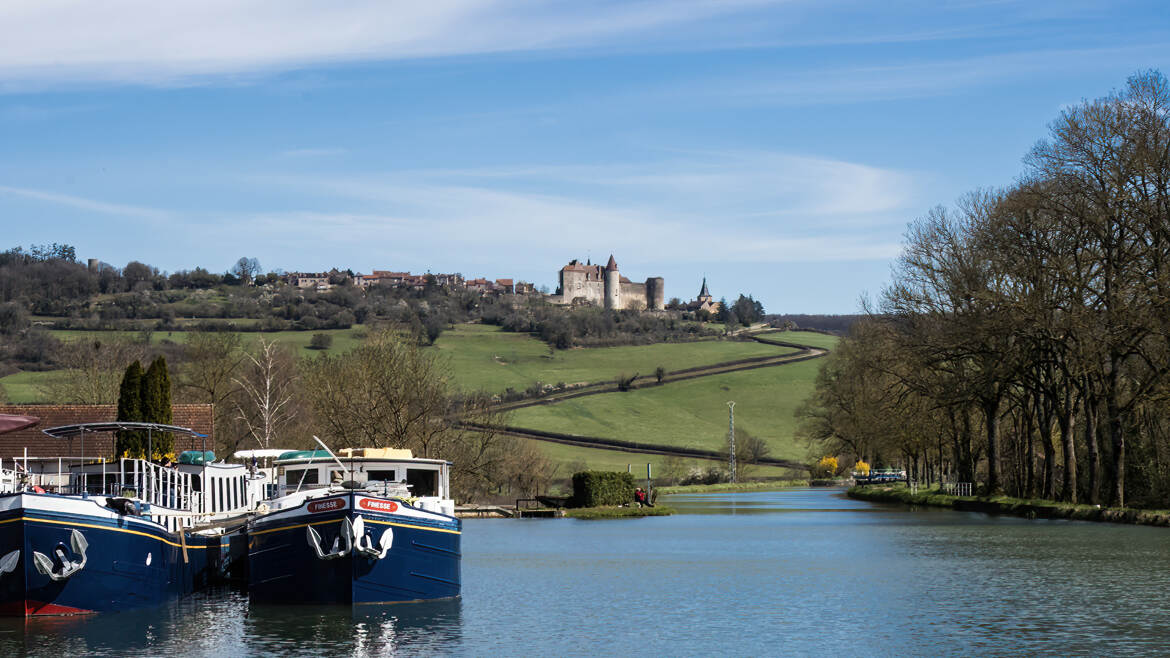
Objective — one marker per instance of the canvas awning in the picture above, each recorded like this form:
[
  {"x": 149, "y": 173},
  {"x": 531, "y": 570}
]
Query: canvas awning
[{"x": 10, "y": 423}]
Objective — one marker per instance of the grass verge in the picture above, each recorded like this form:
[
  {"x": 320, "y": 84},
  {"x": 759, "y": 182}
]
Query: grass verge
[
  {"x": 1028, "y": 508},
  {"x": 597, "y": 513}
]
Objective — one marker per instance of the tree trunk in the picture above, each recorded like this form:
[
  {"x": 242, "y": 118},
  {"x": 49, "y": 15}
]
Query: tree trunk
[
  {"x": 1066, "y": 420},
  {"x": 1094, "y": 452},
  {"x": 1049, "y": 492},
  {"x": 1113, "y": 422},
  {"x": 1029, "y": 456},
  {"x": 991, "y": 421},
  {"x": 965, "y": 458}
]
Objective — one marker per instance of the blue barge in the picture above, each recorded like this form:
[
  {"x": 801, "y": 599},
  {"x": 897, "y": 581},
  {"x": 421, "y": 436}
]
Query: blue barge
[
  {"x": 381, "y": 531},
  {"x": 106, "y": 536}
]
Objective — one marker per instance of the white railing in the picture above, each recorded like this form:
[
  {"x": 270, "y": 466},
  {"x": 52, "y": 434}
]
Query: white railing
[{"x": 958, "y": 488}]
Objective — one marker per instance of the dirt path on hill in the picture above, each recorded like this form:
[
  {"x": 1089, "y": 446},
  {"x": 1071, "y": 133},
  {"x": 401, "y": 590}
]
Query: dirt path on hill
[{"x": 806, "y": 353}]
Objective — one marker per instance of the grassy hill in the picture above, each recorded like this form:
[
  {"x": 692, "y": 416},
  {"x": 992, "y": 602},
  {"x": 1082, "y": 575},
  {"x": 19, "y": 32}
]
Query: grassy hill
[
  {"x": 343, "y": 339},
  {"x": 690, "y": 414},
  {"x": 27, "y": 387},
  {"x": 483, "y": 357}
]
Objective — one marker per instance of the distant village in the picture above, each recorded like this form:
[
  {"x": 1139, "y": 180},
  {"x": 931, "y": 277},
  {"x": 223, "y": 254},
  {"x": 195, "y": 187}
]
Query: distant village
[
  {"x": 326, "y": 280},
  {"x": 577, "y": 284}
]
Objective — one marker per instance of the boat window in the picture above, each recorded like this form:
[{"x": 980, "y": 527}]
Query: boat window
[
  {"x": 381, "y": 476},
  {"x": 423, "y": 482},
  {"x": 294, "y": 476}
]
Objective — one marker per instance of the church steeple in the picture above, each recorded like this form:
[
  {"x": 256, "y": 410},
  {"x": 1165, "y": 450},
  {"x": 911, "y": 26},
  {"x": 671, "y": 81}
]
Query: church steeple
[{"x": 703, "y": 292}]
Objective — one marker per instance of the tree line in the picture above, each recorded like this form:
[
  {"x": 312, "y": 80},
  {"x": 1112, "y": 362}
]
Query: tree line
[
  {"x": 1024, "y": 340},
  {"x": 387, "y": 392}
]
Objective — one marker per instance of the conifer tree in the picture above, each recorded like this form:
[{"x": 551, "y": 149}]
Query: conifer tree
[
  {"x": 129, "y": 443},
  {"x": 156, "y": 406}
]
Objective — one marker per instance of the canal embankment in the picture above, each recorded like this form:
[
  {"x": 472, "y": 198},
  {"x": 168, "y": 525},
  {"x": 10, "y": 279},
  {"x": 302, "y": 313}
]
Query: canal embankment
[{"x": 1006, "y": 505}]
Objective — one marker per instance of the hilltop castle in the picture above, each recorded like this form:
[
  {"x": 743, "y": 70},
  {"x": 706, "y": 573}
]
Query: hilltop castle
[{"x": 604, "y": 286}]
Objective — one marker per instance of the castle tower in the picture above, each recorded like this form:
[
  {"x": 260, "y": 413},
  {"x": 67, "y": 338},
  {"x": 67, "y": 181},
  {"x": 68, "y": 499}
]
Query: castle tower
[
  {"x": 655, "y": 293},
  {"x": 613, "y": 285}
]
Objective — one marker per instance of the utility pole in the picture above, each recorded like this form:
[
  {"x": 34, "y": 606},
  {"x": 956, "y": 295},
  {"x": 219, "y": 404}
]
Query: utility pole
[{"x": 731, "y": 438}]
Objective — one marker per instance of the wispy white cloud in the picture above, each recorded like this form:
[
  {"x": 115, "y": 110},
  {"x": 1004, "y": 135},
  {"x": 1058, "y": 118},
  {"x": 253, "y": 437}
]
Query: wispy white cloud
[
  {"x": 907, "y": 80},
  {"x": 50, "y": 42},
  {"x": 764, "y": 207},
  {"x": 138, "y": 41},
  {"x": 90, "y": 205}
]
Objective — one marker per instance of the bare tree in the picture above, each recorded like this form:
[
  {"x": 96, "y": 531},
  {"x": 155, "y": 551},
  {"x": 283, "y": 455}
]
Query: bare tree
[
  {"x": 268, "y": 390},
  {"x": 211, "y": 362},
  {"x": 92, "y": 370}
]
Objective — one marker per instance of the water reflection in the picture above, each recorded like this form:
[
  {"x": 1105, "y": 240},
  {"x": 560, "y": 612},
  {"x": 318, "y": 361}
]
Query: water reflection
[
  {"x": 222, "y": 623},
  {"x": 204, "y": 624},
  {"x": 821, "y": 499},
  {"x": 427, "y": 627},
  {"x": 806, "y": 572}
]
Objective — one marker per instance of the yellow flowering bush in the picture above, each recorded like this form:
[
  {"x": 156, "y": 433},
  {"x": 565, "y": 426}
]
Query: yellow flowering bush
[
  {"x": 861, "y": 467},
  {"x": 826, "y": 467}
]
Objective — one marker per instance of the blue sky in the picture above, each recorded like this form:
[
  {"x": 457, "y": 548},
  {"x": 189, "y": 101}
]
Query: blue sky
[{"x": 779, "y": 148}]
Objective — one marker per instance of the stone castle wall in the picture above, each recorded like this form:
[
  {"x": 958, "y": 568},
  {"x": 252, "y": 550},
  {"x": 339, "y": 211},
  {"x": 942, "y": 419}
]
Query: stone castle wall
[{"x": 590, "y": 286}]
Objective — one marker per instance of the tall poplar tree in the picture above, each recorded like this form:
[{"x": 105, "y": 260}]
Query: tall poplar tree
[
  {"x": 128, "y": 443},
  {"x": 156, "y": 406}
]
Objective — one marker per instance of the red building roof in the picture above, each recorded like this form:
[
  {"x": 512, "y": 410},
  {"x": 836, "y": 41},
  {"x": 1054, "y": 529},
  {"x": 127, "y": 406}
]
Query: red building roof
[{"x": 198, "y": 417}]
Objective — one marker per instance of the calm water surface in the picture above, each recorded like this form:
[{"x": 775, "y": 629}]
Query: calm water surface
[{"x": 795, "y": 572}]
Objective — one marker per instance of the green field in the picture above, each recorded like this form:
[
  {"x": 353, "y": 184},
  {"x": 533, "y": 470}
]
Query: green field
[
  {"x": 692, "y": 413},
  {"x": 24, "y": 387},
  {"x": 343, "y": 339},
  {"x": 483, "y": 357}
]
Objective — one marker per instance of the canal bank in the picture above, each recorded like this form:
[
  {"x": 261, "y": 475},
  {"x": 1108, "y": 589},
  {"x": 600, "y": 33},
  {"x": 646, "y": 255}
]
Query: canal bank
[{"x": 1032, "y": 509}]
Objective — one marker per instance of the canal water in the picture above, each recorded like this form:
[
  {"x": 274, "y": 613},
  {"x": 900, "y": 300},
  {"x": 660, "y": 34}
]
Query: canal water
[{"x": 796, "y": 572}]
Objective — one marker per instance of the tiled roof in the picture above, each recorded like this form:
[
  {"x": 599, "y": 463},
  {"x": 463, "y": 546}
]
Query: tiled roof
[{"x": 198, "y": 417}]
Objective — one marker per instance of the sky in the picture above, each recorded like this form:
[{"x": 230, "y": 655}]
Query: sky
[{"x": 778, "y": 148}]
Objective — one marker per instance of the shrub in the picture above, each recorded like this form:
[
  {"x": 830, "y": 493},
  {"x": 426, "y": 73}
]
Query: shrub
[
  {"x": 861, "y": 467},
  {"x": 713, "y": 475},
  {"x": 320, "y": 342},
  {"x": 597, "y": 488},
  {"x": 825, "y": 468},
  {"x": 625, "y": 382}
]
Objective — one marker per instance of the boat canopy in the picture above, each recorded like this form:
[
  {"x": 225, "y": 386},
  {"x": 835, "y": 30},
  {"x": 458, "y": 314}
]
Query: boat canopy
[
  {"x": 261, "y": 453},
  {"x": 10, "y": 423},
  {"x": 304, "y": 454},
  {"x": 70, "y": 431},
  {"x": 196, "y": 457}
]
